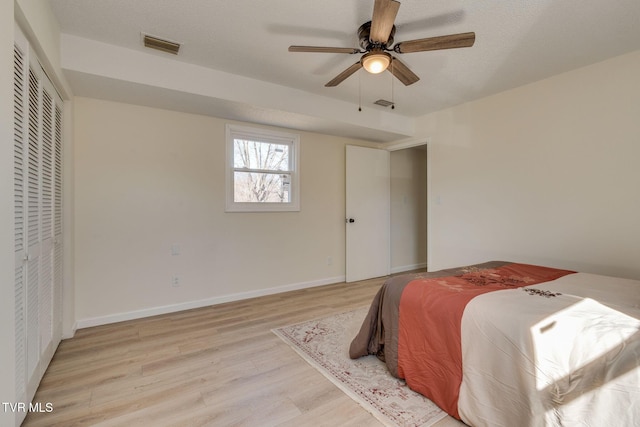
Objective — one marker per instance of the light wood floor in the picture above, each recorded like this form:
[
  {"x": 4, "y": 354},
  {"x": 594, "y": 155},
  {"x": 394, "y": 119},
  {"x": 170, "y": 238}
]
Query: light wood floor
[{"x": 218, "y": 366}]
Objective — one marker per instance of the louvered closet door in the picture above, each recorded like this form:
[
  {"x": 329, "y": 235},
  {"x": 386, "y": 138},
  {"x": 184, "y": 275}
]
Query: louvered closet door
[
  {"x": 45, "y": 282},
  {"x": 33, "y": 222},
  {"x": 57, "y": 221},
  {"x": 38, "y": 219},
  {"x": 20, "y": 172}
]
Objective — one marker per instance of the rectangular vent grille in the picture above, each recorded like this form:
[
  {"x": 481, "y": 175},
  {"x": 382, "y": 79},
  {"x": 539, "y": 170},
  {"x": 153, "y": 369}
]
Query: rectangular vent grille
[
  {"x": 383, "y": 102},
  {"x": 160, "y": 44}
]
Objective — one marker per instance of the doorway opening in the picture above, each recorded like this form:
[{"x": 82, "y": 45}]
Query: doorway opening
[{"x": 409, "y": 184}]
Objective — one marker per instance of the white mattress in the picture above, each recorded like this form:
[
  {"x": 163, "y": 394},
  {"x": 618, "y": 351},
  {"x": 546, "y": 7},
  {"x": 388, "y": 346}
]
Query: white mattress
[{"x": 571, "y": 359}]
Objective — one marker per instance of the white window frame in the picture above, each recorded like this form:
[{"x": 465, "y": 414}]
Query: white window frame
[{"x": 262, "y": 135}]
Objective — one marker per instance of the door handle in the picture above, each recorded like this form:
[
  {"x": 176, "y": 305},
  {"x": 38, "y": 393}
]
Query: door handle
[{"x": 351, "y": 220}]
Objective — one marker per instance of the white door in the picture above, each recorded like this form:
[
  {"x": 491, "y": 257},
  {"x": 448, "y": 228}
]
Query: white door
[{"x": 368, "y": 213}]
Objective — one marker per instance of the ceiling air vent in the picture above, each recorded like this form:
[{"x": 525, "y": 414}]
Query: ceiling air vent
[
  {"x": 160, "y": 44},
  {"x": 383, "y": 102}
]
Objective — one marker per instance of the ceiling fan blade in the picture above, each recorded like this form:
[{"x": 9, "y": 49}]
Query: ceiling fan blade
[
  {"x": 322, "y": 49},
  {"x": 451, "y": 41},
  {"x": 384, "y": 15},
  {"x": 343, "y": 75},
  {"x": 402, "y": 72}
]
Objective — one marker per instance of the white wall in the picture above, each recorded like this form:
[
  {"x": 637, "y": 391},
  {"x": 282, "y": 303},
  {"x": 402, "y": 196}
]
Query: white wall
[
  {"x": 408, "y": 209},
  {"x": 546, "y": 173},
  {"x": 7, "y": 341},
  {"x": 38, "y": 22},
  {"x": 147, "y": 179}
]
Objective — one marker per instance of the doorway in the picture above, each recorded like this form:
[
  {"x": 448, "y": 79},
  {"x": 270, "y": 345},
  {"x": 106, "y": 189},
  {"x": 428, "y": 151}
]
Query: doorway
[{"x": 408, "y": 209}]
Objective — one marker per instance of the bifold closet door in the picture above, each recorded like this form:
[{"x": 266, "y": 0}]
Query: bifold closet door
[{"x": 38, "y": 219}]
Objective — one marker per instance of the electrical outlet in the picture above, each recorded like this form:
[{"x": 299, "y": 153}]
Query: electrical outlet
[
  {"x": 329, "y": 260},
  {"x": 175, "y": 281}
]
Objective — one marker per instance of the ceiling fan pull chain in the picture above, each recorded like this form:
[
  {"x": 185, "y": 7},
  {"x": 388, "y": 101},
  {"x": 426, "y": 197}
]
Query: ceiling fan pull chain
[
  {"x": 359, "y": 91},
  {"x": 393, "y": 101}
]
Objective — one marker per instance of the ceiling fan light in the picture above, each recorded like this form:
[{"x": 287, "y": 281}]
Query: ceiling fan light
[{"x": 376, "y": 62}]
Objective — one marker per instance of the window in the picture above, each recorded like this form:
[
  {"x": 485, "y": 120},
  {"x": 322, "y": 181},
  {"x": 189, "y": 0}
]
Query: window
[{"x": 262, "y": 170}]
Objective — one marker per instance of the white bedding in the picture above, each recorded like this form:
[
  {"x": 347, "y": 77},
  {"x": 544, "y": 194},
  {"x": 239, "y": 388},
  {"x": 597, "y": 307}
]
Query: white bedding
[{"x": 567, "y": 360}]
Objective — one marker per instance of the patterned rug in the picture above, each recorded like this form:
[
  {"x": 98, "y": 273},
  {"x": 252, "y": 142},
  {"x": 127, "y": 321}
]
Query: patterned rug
[{"x": 324, "y": 344}]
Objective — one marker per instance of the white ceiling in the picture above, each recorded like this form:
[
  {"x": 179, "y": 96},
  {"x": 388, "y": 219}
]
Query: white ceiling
[{"x": 244, "y": 44}]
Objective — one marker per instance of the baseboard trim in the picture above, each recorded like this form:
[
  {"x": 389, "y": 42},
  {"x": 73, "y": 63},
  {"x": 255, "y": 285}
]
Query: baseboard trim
[
  {"x": 154, "y": 311},
  {"x": 70, "y": 333},
  {"x": 402, "y": 269}
]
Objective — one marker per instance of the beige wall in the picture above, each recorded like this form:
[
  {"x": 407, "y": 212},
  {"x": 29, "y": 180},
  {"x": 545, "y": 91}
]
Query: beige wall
[
  {"x": 147, "y": 179},
  {"x": 545, "y": 173},
  {"x": 408, "y": 209}
]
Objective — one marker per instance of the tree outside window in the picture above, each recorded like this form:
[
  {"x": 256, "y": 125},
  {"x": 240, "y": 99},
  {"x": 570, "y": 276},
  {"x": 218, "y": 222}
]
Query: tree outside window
[{"x": 261, "y": 172}]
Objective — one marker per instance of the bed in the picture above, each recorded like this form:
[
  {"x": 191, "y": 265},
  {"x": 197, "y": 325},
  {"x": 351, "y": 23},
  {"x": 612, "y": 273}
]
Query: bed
[{"x": 510, "y": 344}]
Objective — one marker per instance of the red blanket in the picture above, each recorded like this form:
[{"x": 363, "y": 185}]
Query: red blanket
[{"x": 430, "y": 314}]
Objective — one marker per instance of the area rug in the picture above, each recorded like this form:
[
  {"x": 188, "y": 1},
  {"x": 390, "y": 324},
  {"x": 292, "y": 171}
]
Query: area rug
[{"x": 324, "y": 344}]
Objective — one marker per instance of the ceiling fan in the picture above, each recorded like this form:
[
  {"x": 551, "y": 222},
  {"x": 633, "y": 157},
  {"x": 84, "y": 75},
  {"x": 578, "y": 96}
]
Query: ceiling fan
[{"x": 376, "y": 41}]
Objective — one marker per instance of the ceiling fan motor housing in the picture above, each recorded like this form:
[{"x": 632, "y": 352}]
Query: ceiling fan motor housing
[{"x": 364, "y": 32}]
